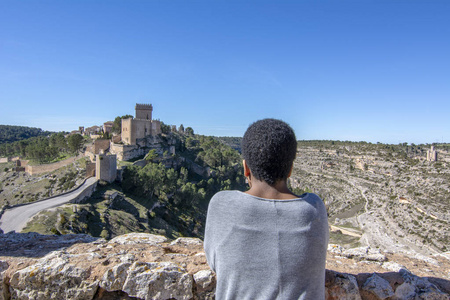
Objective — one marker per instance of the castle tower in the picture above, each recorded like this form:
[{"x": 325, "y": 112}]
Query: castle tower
[
  {"x": 106, "y": 167},
  {"x": 144, "y": 111},
  {"x": 141, "y": 126}
]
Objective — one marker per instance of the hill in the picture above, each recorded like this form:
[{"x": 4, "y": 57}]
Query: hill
[
  {"x": 11, "y": 133},
  {"x": 385, "y": 196},
  {"x": 166, "y": 193}
]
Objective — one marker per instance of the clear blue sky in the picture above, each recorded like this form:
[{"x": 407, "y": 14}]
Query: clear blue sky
[{"x": 342, "y": 70}]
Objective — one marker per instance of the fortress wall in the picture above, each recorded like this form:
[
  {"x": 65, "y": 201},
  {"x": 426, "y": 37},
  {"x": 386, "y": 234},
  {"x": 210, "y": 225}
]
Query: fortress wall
[
  {"x": 127, "y": 131},
  {"x": 142, "y": 128},
  {"x": 122, "y": 150},
  {"x": 156, "y": 127},
  {"x": 33, "y": 170}
]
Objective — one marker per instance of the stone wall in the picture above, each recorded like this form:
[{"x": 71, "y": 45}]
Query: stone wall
[
  {"x": 126, "y": 152},
  {"x": 127, "y": 131},
  {"x": 33, "y": 170}
]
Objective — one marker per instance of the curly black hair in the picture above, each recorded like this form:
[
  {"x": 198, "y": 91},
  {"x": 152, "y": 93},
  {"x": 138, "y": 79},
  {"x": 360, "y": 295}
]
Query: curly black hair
[{"x": 269, "y": 147}]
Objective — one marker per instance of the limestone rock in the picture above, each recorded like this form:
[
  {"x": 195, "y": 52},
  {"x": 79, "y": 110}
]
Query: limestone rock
[
  {"x": 139, "y": 238},
  {"x": 378, "y": 286},
  {"x": 163, "y": 280},
  {"x": 393, "y": 266},
  {"x": 340, "y": 286},
  {"x": 364, "y": 253},
  {"x": 418, "y": 288},
  {"x": 114, "y": 279},
  {"x": 183, "y": 241},
  {"x": 3, "y": 267},
  {"x": 204, "y": 278},
  {"x": 52, "y": 278}
]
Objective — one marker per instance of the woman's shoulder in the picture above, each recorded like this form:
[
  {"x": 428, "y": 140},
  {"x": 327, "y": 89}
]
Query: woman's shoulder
[{"x": 226, "y": 195}]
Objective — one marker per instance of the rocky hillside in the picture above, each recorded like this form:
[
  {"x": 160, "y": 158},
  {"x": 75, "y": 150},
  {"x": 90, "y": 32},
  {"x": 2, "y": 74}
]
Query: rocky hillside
[
  {"x": 146, "y": 266},
  {"x": 383, "y": 196}
]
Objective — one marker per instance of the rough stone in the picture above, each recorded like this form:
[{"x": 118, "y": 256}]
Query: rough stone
[
  {"x": 340, "y": 286},
  {"x": 52, "y": 278},
  {"x": 139, "y": 238},
  {"x": 3, "y": 267},
  {"x": 378, "y": 286},
  {"x": 393, "y": 266},
  {"x": 158, "y": 281},
  {"x": 183, "y": 241},
  {"x": 204, "y": 278},
  {"x": 114, "y": 279},
  {"x": 147, "y": 266}
]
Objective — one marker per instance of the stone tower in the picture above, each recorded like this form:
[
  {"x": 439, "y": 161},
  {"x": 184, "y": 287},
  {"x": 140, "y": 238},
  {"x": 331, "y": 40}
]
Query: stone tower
[
  {"x": 144, "y": 111},
  {"x": 141, "y": 126},
  {"x": 106, "y": 167}
]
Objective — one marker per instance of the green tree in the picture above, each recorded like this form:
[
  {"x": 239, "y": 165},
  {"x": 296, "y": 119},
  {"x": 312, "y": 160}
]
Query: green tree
[
  {"x": 117, "y": 123},
  {"x": 75, "y": 142},
  {"x": 189, "y": 131}
]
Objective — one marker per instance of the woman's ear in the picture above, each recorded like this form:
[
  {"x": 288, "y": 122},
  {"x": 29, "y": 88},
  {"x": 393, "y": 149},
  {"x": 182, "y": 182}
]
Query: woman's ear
[
  {"x": 290, "y": 172},
  {"x": 246, "y": 168}
]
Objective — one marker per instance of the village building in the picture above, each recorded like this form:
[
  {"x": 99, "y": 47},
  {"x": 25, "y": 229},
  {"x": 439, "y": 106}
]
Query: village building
[{"x": 107, "y": 127}]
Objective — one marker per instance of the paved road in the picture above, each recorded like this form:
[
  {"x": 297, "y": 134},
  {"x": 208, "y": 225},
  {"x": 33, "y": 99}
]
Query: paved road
[{"x": 16, "y": 218}]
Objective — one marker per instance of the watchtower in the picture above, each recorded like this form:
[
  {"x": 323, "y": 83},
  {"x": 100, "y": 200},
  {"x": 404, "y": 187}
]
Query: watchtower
[{"x": 144, "y": 111}]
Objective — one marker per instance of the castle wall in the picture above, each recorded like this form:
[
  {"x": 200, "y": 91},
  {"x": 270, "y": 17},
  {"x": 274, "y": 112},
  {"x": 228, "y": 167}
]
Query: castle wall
[
  {"x": 33, "y": 170},
  {"x": 156, "y": 127},
  {"x": 128, "y": 132},
  {"x": 142, "y": 128},
  {"x": 106, "y": 167},
  {"x": 126, "y": 152}
]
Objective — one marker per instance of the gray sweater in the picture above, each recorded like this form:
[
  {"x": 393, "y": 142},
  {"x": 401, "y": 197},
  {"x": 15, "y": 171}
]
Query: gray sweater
[{"x": 267, "y": 249}]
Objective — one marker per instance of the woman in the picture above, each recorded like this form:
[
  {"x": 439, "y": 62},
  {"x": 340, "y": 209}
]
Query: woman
[{"x": 267, "y": 243}]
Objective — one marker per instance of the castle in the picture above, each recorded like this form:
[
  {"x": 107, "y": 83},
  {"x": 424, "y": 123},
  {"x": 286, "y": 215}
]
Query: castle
[{"x": 141, "y": 126}]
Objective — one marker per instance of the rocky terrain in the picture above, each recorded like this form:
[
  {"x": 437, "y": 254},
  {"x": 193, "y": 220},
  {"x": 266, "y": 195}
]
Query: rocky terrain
[
  {"x": 20, "y": 187},
  {"x": 146, "y": 266},
  {"x": 384, "y": 196}
]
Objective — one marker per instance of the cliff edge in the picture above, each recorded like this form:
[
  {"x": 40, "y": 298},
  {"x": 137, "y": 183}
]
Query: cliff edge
[{"x": 146, "y": 266}]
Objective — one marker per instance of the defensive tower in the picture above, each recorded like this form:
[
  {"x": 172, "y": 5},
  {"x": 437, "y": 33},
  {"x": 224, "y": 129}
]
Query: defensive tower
[
  {"x": 144, "y": 111},
  {"x": 141, "y": 126}
]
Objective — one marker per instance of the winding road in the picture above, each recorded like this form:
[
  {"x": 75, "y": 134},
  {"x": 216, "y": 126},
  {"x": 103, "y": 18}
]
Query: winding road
[{"x": 17, "y": 217}]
